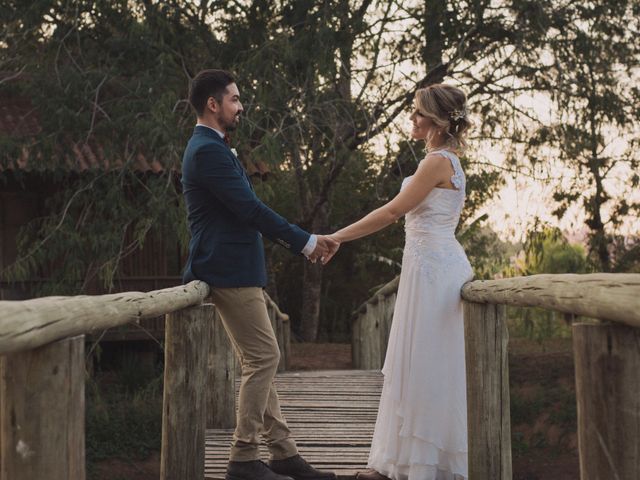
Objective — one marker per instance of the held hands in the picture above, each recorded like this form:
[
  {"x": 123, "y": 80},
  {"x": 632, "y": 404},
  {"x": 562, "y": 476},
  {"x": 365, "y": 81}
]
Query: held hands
[{"x": 326, "y": 248}]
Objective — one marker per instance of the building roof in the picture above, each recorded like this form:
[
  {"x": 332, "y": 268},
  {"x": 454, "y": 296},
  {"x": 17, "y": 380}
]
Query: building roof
[{"x": 19, "y": 119}]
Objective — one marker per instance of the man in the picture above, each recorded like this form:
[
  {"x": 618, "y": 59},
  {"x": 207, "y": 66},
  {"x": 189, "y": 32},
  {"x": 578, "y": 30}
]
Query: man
[{"x": 227, "y": 221}]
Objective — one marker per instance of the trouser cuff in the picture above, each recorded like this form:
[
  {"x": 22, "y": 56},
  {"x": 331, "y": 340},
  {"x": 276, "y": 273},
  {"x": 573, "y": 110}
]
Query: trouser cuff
[
  {"x": 282, "y": 449},
  {"x": 244, "y": 453}
]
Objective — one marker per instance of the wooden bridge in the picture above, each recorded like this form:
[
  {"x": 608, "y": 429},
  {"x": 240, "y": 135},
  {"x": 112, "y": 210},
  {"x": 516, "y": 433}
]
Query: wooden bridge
[
  {"x": 331, "y": 415},
  {"x": 42, "y": 379}
]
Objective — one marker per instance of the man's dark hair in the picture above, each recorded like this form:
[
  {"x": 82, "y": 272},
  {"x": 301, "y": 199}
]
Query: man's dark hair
[{"x": 208, "y": 83}]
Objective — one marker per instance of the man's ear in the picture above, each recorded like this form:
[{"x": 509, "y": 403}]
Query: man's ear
[{"x": 213, "y": 105}]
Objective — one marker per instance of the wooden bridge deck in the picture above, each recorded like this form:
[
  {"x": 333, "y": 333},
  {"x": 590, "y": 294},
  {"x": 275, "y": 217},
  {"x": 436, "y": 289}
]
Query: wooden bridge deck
[{"x": 331, "y": 415}]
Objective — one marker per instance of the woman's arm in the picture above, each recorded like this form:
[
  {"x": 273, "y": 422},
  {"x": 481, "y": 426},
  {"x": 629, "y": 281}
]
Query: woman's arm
[{"x": 434, "y": 170}]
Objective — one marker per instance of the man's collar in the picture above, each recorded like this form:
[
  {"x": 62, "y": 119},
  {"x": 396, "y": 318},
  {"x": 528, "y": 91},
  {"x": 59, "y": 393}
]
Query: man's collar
[{"x": 211, "y": 128}]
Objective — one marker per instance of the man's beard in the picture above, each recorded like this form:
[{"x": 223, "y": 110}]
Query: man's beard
[{"x": 233, "y": 125}]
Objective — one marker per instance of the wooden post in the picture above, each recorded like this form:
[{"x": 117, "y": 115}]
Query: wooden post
[
  {"x": 221, "y": 371},
  {"x": 356, "y": 341},
  {"x": 370, "y": 348},
  {"x": 184, "y": 406},
  {"x": 488, "y": 416},
  {"x": 277, "y": 325},
  {"x": 42, "y": 416},
  {"x": 286, "y": 335},
  {"x": 607, "y": 360},
  {"x": 385, "y": 324},
  {"x": 282, "y": 366}
]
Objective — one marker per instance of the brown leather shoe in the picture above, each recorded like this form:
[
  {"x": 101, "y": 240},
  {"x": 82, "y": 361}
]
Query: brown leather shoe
[
  {"x": 371, "y": 475},
  {"x": 298, "y": 468}
]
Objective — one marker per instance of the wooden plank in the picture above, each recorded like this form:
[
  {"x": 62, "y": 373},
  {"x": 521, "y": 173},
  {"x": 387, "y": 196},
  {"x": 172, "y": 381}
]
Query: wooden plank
[
  {"x": 607, "y": 296},
  {"x": 488, "y": 415},
  {"x": 184, "y": 405},
  {"x": 331, "y": 414},
  {"x": 29, "y": 324},
  {"x": 607, "y": 360},
  {"x": 42, "y": 416}
]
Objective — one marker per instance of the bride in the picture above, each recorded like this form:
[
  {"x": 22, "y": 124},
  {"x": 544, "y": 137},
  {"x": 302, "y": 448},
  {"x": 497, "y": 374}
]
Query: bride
[{"x": 421, "y": 429}]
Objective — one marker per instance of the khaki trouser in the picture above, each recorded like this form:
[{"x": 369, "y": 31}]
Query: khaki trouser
[{"x": 245, "y": 318}]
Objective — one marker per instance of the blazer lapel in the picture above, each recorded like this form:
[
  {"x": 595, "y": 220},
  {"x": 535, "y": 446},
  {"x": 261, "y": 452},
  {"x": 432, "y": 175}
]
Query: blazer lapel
[{"x": 200, "y": 130}]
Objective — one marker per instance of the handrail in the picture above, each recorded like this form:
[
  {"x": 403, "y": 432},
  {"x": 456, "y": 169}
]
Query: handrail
[
  {"x": 42, "y": 357},
  {"x": 29, "y": 324},
  {"x": 606, "y": 296},
  {"x": 276, "y": 309},
  {"x": 607, "y": 359},
  {"x": 388, "y": 289}
]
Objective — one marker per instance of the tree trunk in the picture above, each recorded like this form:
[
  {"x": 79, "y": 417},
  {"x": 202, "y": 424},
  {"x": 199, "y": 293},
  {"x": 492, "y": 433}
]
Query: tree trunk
[
  {"x": 312, "y": 288},
  {"x": 434, "y": 15}
]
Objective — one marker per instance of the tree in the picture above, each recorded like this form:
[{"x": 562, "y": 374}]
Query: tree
[
  {"x": 546, "y": 250},
  {"x": 592, "y": 80},
  {"x": 325, "y": 86}
]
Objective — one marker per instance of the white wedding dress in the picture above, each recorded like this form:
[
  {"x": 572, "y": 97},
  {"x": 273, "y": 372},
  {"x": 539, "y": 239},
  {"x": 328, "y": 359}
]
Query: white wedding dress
[{"x": 421, "y": 429}]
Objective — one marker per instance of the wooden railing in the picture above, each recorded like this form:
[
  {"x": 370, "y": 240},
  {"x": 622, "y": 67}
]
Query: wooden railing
[
  {"x": 42, "y": 374},
  {"x": 370, "y": 328},
  {"x": 606, "y": 354}
]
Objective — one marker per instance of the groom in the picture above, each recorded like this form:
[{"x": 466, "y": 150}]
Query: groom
[{"x": 227, "y": 222}]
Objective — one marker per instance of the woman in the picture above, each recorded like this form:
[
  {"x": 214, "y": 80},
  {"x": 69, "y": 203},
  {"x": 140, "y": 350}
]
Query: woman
[{"x": 421, "y": 430}]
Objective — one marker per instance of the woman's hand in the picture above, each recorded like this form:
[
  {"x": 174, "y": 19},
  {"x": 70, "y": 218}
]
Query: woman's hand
[{"x": 333, "y": 249}]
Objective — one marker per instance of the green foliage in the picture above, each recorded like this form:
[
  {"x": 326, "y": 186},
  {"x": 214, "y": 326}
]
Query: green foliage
[
  {"x": 488, "y": 255},
  {"x": 319, "y": 82},
  {"x": 92, "y": 223},
  {"x": 593, "y": 129},
  {"x": 124, "y": 419},
  {"x": 536, "y": 324},
  {"x": 545, "y": 251}
]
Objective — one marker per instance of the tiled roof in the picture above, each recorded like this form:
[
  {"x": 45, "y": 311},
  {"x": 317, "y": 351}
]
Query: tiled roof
[{"x": 19, "y": 119}]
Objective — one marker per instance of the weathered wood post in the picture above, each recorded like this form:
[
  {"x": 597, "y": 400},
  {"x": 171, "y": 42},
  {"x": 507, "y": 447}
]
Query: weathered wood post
[
  {"x": 371, "y": 325},
  {"x": 276, "y": 324},
  {"x": 278, "y": 320},
  {"x": 488, "y": 416},
  {"x": 607, "y": 361},
  {"x": 286, "y": 335},
  {"x": 220, "y": 390},
  {"x": 356, "y": 341},
  {"x": 184, "y": 405},
  {"x": 42, "y": 412}
]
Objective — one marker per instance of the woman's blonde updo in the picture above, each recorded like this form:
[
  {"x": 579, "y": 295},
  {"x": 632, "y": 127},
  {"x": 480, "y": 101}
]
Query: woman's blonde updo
[{"x": 447, "y": 107}]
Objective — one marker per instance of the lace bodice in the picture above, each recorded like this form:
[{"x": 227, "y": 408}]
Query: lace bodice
[
  {"x": 439, "y": 213},
  {"x": 430, "y": 227}
]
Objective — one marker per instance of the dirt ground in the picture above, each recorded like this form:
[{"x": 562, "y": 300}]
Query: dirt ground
[{"x": 543, "y": 410}]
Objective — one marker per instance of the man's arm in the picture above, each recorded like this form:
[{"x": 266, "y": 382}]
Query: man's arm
[{"x": 217, "y": 171}]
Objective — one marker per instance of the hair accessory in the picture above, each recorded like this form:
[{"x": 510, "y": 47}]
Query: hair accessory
[{"x": 459, "y": 114}]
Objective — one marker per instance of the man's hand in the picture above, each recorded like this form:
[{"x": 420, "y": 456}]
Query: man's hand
[
  {"x": 326, "y": 248},
  {"x": 334, "y": 246}
]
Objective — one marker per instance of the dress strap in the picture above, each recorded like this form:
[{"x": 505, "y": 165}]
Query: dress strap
[{"x": 457, "y": 179}]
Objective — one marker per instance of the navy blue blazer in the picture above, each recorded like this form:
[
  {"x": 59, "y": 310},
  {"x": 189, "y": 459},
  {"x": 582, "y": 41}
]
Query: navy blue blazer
[{"x": 226, "y": 218}]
